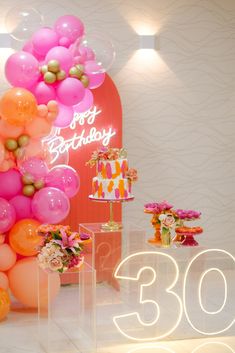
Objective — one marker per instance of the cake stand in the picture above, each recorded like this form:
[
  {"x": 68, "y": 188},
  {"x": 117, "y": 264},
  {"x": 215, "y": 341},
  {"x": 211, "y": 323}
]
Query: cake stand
[{"x": 111, "y": 225}]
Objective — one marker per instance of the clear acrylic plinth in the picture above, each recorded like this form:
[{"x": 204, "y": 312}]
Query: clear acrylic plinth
[
  {"x": 157, "y": 293},
  {"x": 67, "y": 320}
]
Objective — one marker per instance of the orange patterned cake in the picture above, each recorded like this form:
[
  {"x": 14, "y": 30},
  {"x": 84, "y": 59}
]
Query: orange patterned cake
[{"x": 113, "y": 180}]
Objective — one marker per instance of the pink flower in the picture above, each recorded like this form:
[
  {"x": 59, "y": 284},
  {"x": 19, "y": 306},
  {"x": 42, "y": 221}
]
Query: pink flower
[
  {"x": 187, "y": 214},
  {"x": 157, "y": 207},
  {"x": 67, "y": 242},
  {"x": 169, "y": 221},
  {"x": 131, "y": 174}
]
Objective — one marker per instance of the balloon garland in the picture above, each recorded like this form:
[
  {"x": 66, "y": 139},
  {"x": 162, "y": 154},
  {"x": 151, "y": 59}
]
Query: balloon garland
[{"x": 51, "y": 77}]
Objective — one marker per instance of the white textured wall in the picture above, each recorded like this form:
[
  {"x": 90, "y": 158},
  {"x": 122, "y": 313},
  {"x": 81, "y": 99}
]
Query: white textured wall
[{"x": 178, "y": 103}]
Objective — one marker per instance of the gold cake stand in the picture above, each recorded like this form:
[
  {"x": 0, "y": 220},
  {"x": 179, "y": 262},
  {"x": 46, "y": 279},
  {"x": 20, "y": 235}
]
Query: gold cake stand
[{"x": 111, "y": 225}]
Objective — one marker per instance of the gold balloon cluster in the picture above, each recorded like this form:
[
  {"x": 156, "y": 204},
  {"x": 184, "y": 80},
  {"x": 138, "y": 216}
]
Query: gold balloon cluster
[
  {"x": 16, "y": 145},
  {"x": 77, "y": 71},
  {"x": 31, "y": 186},
  {"x": 53, "y": 73}
]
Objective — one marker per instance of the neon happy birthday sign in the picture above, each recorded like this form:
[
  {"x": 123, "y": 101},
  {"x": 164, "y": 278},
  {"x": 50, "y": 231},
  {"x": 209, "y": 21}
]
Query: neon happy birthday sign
[{"x": 88, "y": 134}]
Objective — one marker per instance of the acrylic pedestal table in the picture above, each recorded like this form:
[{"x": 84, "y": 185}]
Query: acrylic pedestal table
[
  {"x": 163, "y": 294},
  {"x": 67, "y": 322}
]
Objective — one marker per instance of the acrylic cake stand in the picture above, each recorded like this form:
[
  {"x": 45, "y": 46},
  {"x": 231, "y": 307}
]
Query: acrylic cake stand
[{"x": 111, "y": 225}]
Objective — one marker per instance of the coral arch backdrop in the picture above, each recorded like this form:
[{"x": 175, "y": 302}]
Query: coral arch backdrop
[{"x": 107, "y": 101}]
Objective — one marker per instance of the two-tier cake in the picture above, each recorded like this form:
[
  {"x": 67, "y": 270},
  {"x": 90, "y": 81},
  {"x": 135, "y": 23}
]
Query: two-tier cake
[{"x": 113, "y": 180}]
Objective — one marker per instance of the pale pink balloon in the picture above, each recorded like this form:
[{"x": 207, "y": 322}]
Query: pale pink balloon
[
  {"x": 44, "y": 39},
  {"x": 22, "y": 69},
  {"x": 50, "y": 205},
  {"x": 7, "y": 130},
  {"x": 22, "y": 206},
  {"x": 7, "y": 257},
  {"x": 10, "y": 183},
  {"x": 86, "y": 103},
  {"x": 39, "y": 127},
  {"x": 35, "y": 167},
  {"x": 70, "y": 91},
  {"x": 65, "y": 116},
  {"x": 61, "y": 54},
  {"x": 70, "y": 27},
  {"x": 95, "y": 79},
  {"x": 64, "y": 178},
  {"x": 44, "y": 93},
  {"x": 7, "y": 215},
  {"x": 4, "y": 283},
  {"x": 24, "y": 284},
  {"x": 28, "y": 47}
]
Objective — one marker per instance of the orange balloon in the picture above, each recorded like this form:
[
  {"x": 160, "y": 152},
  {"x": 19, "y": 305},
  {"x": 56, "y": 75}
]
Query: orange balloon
[
  {"x": 39, "y": 127},
  {"x": 10, "y": 131},
  {"x": 4, "y": 283},
  {"x": 18, "y": 106},
  {"x": 23, "y": 282},
  {"x": 7, "y": 257},
  {"x": 4, "y": 303},
  {"x": 23, "y": 237}
]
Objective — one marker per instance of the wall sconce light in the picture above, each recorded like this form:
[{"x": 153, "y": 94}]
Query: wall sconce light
[
  {"x": 5, "y": 40},
  {"x": 148, "y": 41}
]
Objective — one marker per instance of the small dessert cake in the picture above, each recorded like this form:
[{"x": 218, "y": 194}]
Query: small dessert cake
[{"x": 114, "y": 179}]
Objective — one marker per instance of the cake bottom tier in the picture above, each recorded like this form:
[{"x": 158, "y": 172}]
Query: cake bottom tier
[{"x": 111, "y": 189}]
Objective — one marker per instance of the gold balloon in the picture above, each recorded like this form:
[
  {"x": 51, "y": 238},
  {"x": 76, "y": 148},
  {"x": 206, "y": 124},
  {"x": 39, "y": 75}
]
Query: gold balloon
[
  {"x": 85, "y": 81},
  {"x": 39, "y": 184},
  {"x": 28, "y": 190},
  {"x": 49, "y": 77},
  {"x": 61, "y": 75},
  {"x": 27, "y": 179},
  {"x": 53, "y": 66},
  {"x": 23, "y": 140},
  {"x": 75, "y": 72},
  {"x": 44, "y": 69},
  {"x": 11, "y": 144}
]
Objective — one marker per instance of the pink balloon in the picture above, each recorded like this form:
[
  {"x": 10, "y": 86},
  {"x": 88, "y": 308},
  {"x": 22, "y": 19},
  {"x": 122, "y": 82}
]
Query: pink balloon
[
  {"x": 44, "y": 93},
  {"x": 28, "y": 47},
  {"x": 22, "y": 69},
  {"x": 7, "y": 215},
  {"x": 65, "y": 116},
  {"x": 70, "y": 91},
  {"x": 86, "y": 52},
  {"x": 86, "y": 103},
  {"x": 10, "y": 183},
  {"x": 22, "y": 206},
  {"x": 64, "y": 178},
  {"x": 50, "y": 205},
  {"x": 95, "y": 79},
  {"x": 35, "y": 167},
  {"x": 69, "y": 27},
  {"x": 4, "y": 283},
  {"x": 7, "y": 257},
  {"x": 44, "y": 39},
  {"x": 61, "y": 54}
]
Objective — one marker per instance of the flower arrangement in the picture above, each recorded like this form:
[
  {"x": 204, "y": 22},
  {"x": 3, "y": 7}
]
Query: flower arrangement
[
  {"x": 106, "y": 153},
  {"x": 61, "y": 249},
  {"x": 157, "y": 207},
  {"x": 189, "y": 215}
]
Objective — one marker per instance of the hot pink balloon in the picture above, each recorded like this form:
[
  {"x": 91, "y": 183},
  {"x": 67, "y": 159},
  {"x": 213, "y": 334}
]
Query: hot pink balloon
[
  {"x": 65, "y": 116},
  {"x": 28, "y": 47},
  {"x": 86, "y": 103},
  {"x": 70, "y": 27},
  {"x": 70, "y": 91},
  {"x": 64, "y": 178},
  {"x": 50, "y": 205},
  {"x": 35, "y": 167},
  {"x": 10, "y": 183},
  {"x": 22, "y": 206},
  {"x": 61, "y": 54},
  {"x": 44, "y": 39},
  {"x": 22, "y": 69},
  {"x": 44, "y": 93},
  {"x": 7, "y": 215}
]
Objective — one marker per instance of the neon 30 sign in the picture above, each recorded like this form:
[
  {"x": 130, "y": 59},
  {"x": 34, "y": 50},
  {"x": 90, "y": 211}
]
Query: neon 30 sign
[{"x": 160, "y": 298}]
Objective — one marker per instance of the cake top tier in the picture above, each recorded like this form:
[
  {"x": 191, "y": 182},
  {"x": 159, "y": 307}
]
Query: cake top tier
[{"x": 107, "y": 154}]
